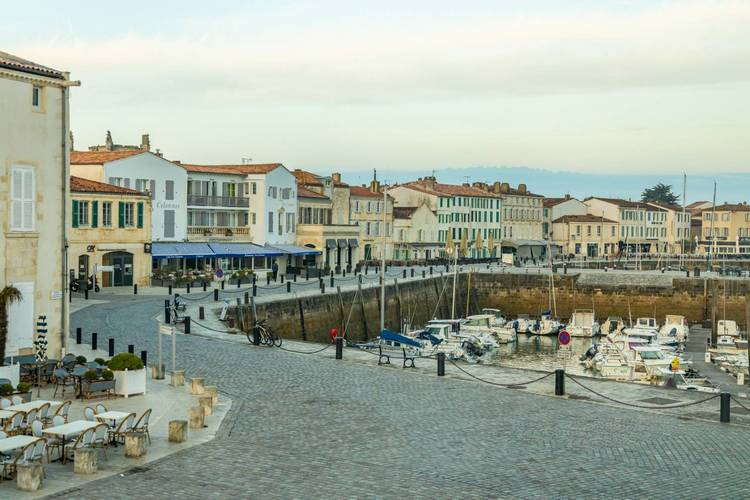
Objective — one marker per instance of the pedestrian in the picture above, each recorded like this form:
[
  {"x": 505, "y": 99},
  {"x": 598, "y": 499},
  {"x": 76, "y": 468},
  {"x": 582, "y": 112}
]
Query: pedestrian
[{"x": 274, "y": 270}]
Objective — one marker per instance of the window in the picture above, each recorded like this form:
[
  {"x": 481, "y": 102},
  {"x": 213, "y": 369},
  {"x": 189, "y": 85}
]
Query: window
[
  {"x": 83, "y": 213},
  {"x": 36, "y": 96},
  {"x": 254, "y": 187},
  {"x": 253, "y": 218},
  {"x": 369, "y": 206},
  {"x": 598, "y": 230},
  {"x": 107, "y": 214},
  {"x": 356, "y": 206},
  {"x": 169, "y": 188},
  {"x": 169, "y": 223},
  {"x": 128, "y": 215},
  {"x": 22, "y": 199},
  {"x": 116, "y": 181},
  {"x": 270, "y": 222},
  {"x": 142, "y": 185},
  {"x": 588, "y": 230},
  {"x": 367, "y": 229}
]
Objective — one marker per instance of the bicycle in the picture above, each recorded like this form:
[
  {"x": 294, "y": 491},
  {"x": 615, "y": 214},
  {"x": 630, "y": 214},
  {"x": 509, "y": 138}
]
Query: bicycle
[{"x": 267, "y": 336}]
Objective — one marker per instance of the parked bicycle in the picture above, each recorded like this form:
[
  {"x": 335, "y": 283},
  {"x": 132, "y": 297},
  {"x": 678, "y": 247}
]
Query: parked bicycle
[{"x": 267, "y": 336}]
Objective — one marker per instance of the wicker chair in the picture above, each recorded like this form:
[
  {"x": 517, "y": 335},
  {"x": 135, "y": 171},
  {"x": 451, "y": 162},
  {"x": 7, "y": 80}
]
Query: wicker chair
[{"x": 142, "y": 424}]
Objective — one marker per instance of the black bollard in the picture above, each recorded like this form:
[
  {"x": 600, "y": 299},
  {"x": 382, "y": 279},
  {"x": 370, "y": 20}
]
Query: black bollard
[
  {"x": 343, "y": 273},
  {"x": 239, "y": 281},
  {"x": 339, "y": 347},
  {"x": 360, "y": 278},
  {"x": 255, "y": 290},
  {"x": 294, "y": 277},
  {"x": 78, "y": 335},
  {"x": 135, "y": 288},
  {"x": 247, "y": 297},
  {"x": 288, "y": 287},
  {"x": 331, "y": 279},
  {"x": 322, "y": 287},
  {"x": 724, "y": 409},
  {"x": 204, "y": 286},
  {"x": 223, "y": 284},
  {"x": 430, "y": 270},
  {"x": 170, "y": 289},
  {"x": 93, "y": 341},
  {"x": 187, "y": 288},
  {"x": 111, "y": 347},
  {"x": 254, "y": 278},
  {"x": 216, "y": 294},
  {"x": 187, "y": 324},
  {"x": 423, "y": 274},
  {"x": 144, "y": 358},
  {"x": 201, "y": 313},
  {"x": 412, "y": 272},
  {"x": 256, "y": 335},
  {"x": 166, "y": 311},
  {"x": 403, "y": 273},
  {"x": 559, "y": 382},
  {"x": 441, "y": 364},
  {"x": 268, "y": 279},
  {"x": 131, "y": 348},
  {"x": 86, "y": 291},
  {"x": 282, "y": 278}
]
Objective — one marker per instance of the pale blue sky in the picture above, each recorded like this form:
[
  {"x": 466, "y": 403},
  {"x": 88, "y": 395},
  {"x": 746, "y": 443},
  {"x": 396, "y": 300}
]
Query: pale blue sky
[{"x": 591, "y": 86}]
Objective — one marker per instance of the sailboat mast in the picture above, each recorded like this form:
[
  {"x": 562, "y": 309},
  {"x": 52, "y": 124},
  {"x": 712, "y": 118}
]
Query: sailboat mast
[
  {"x": 682, "y": 240},
  {"x": 713, "y": 236},
  {"x": 382, "y": 261}
]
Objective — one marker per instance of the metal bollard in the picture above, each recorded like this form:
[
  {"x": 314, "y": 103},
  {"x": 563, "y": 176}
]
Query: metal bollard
[
  {"x": 144, "y": 358},
  {"x": 170, "y": 290},
  {"x": 322, "y": 287},
  {"x": 559, "y": 382},
  {"x": 256, "y": 335},
  {"x": 254, "y": 278},
  {"x": 135, "y": 288},
  {"x": 239, "y": 281},
  {"x": 331, "y": 279},
  {"x": 430, "y": 270},
  {"x": 187, "y": 324},
  {"x": 423, "y": 274},
  {"x": 339, "y": 347},
  {"x": 111, "y": 347},
  {"x": 404, "y": 273},
  {"x": 360, "y": 278},
  {"x": 282, "y": 278},
  {"x": 294, "y": 277},
  {"x": 204, "y": 286},
  {"x": 247, "y": 298},
  {"x": 724, "y": 409},
  {"x": 441, "y": 364},
  {"x": 166, "y": 311},
  {"x": 268, "y": 279},
  {"x": 216, "y": 294},
  {"x": 223, "y": 284},
  {"x": 187, "y": 288},
  {"x": 86, "y": 291},
  {"x": 93, "y": 341},
  {"x": 255, "y": 290},
  {"x": 412, "y": 272},
  {"x": 78, "y": 335},
  {"x": 131, "y": 348},
  {"x": 288, "y": 287},
  {"x": 201, "y": 313}
]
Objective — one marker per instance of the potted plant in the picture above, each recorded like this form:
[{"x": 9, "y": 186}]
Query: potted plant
[
  {"x": 129, "y": 373},
  {"x": 23, "y": 389},
  {"x": 93, "y": 382},
  {"x": 8, "y": 295},
  {"x": 81, "y": 360},
  {"x": 6, "y": 390}
]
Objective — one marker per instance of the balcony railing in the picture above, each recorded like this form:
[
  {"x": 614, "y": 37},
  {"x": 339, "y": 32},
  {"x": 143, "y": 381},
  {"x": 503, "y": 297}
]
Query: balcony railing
[
  {"x": 218, "y": 232},
  {"x": 217, "y": 201}
]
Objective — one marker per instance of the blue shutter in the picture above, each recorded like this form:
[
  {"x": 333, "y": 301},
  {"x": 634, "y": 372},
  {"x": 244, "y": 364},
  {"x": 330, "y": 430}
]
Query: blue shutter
[
  {"x": 121, "y": 214},
  {"x": 140, "y": 214},
  {"x": 74, "y": 218},
  {"x": 94, "y": 213}
]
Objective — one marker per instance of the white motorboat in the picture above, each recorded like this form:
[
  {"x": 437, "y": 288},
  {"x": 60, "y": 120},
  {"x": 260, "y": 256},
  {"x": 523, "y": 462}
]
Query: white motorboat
[
  {"x": 583, "y": 324},
  {"x": 675, "y": 326},
  {"x": 522, "y": 323},
  {"x": 547, "y": 325},
  {"x": 613, "y": 325},
  {"x": 503, "y": 334},
  {"x": 498, "y": 318}
]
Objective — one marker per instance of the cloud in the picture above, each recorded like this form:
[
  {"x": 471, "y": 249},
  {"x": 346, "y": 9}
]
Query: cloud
[{"x": 675, "y": 43}]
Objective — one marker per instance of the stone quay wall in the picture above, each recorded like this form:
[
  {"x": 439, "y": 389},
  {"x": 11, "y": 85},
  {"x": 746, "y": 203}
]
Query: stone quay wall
[{"x": 312, "y": 318}]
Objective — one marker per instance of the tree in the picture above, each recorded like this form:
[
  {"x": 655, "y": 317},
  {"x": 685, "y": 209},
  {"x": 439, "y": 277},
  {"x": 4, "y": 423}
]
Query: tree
[
  {"x": 661, "y": 193},
  {"x": 8, "y": 295}
]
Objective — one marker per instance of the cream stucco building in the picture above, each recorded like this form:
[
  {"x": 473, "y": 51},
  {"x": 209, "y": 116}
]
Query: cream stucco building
[
  {"x": 725, "y": 229},
  {"x": 415, "y": 233},
  {"x": 34, "y": 199},
  {"x": 110, "y": 227},
  {"x": 585, "y": 235}
]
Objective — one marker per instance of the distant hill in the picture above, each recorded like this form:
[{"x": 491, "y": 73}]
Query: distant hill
[{"x": 731, "y": 187}]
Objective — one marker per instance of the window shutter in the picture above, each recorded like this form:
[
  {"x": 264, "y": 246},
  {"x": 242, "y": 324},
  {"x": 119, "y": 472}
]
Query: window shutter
[
  {"x": 140, "y": 214},
  {"x": 126, "y": 183},
  {"x": 152, "y": 188},
  {"x": 75, "y": 213},
  {"x": 121, "y": 214},
  {"x": 94, "y": 213}
]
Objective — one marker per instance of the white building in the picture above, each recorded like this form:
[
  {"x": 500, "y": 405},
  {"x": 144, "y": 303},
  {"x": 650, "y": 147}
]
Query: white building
[
  {"x": 554, "y": 208},
  {"x": 143, "y": 171},
  {"x": 34, "y": 203}
]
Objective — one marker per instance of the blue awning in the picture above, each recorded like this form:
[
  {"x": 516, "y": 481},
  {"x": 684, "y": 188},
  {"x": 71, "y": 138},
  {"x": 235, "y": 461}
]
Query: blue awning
[
  {"x": 243, "y": 250},
  {"x": 295, "y": 250},
  {"x": 176, "y": 250}
]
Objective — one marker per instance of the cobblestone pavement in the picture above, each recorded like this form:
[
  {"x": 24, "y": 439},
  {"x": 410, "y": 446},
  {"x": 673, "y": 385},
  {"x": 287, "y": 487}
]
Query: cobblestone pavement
[{"x": 311, "y": 427}]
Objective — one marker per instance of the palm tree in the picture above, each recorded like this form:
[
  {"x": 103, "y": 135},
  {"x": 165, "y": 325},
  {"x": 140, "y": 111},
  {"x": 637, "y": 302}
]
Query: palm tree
[{"x": 8, "y": 295}]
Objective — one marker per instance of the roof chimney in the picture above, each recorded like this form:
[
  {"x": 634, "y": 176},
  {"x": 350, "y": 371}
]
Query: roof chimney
[
  {"x": 505, "y": 187},
  {"x": 108, "y": 142},
  {"x": 522, "y": 188},
  {"x": 496, "y": 187},
  {"x": 567, "y": 196},
  {"x": 336, "y": 176},
  {"x": 145, "y": 143},
  {"x": 430, "y": 182}
]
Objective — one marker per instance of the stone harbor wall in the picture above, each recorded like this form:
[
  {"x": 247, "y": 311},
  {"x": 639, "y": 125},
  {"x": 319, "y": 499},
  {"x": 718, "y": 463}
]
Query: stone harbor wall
[{"x": 311, "y": 318}]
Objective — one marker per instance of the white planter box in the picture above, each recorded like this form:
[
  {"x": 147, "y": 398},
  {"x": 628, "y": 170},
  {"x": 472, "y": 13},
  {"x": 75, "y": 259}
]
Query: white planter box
[
  {"x": 12, "y": 373},
  {"x": 130, "y": 382}
]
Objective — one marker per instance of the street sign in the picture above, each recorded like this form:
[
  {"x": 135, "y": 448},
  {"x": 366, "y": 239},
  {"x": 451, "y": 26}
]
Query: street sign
[
  {"x": 564, "y": 338},
  {"x": 166, "y": 329},
  {"x": 219, "y": 273}
]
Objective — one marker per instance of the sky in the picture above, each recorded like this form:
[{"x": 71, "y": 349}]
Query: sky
[{"x": 605, "y": 86}]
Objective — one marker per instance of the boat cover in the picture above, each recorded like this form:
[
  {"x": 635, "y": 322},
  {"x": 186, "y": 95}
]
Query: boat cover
[{"x": 389, "y": 336}]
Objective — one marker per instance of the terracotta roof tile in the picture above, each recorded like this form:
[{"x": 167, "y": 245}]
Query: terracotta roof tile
[
  {"x": 363, "y": 191},
  {"x": 16, "y": 63},
  {"x": 305, "y": 177},
  {"x": 260, "y": 168},
  {"x": 627, "y": 203},
  {"x": 438, "y": 189},
  {"x": 551, "y": 202},
  {"x": 101, "y": 157},
  {"x": 303, "y": 192},
  {"x": 583, "y": 218},
  {"x": 81, "y": 185},
  {"x": 729, "y": 207}
]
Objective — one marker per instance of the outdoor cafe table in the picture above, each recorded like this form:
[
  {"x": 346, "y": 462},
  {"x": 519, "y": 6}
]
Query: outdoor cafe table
[
  {"x": 14, "y": 443},
  {"x": 111, "y": 416},
  {"x": 69, "y": 430},
  {"x": 34, "y": 405}
]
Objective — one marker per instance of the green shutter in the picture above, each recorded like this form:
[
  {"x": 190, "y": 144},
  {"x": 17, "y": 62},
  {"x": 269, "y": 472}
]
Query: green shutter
[
  {"x": 94, "y": 213},
  {"x": 74, "y": 218},
  {"x": 140, "y": 214},
  {"x": 121, "y": 214}
]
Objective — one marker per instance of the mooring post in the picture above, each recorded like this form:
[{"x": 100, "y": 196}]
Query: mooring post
[
  {"x": 255, "y": 290},
  {"x": 559, "y": 382},
  {"x": 339, "y": 347},
  {"x": 86, "y": 291},
  {"x": 135, "y": 288},
  {"x": 247, "y": 298},
  {"x": 441, "y": 364},
  {"x": 288, "y": 287},
  {"x": 187, "y": 324},
  {"x": 111, "y": 347},
  {"x": 201, "y": 313},
  {"x": 412, "y": 272},
  {"x": 216, "y": 294},
  {"x": 94, "y": 336},
  {"x": 78, "y": 335},
  {"x": 204, "y": 286},
  {"x": 223, "y": 284},
  {"x": 404, "y": 273},
  {"x": 131, "y": 348},
  {"x": 187, "y": 288},
  {"x": 144, "y": 357},
  {"x": 170, "y": 289},
  {"x": 166, "y": 311},
  {"x": 724, "y": 409}
]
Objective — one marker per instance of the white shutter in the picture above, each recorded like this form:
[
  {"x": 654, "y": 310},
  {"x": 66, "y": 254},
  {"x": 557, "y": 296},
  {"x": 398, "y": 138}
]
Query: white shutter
[
  {"x": 22, "y": 199},
  {"x": 17, "y": 201},
  {"x": 28, "y": 200}
]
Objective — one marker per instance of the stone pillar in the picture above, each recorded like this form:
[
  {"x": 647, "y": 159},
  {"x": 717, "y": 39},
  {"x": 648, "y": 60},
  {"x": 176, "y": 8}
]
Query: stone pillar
[
  {"x": 197, "y": 386},
  {"x": 178, "y": 378},
  {"x": 135, "y": 444},
  {"x": 29, "y": 476},
  {"x": 196, "y": 416},
  {"x": 207, "y": 403},
  {"x": 85, "y": 461},
  {"x": 178, "y": 431},
  {"x": 213, "y": 391}
]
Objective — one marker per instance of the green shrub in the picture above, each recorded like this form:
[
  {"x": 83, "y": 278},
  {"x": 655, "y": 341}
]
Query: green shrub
[
  {"x": 100, "y": 362},
  {"x": 6, "y": 390},
  {"x": 23, "y": 387},
  {"x": 125, "y": 361},
  {"x": 107, "y": 374},
  {"x": 90, "y": 375},
  {"x": 81, "y": 360}
]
